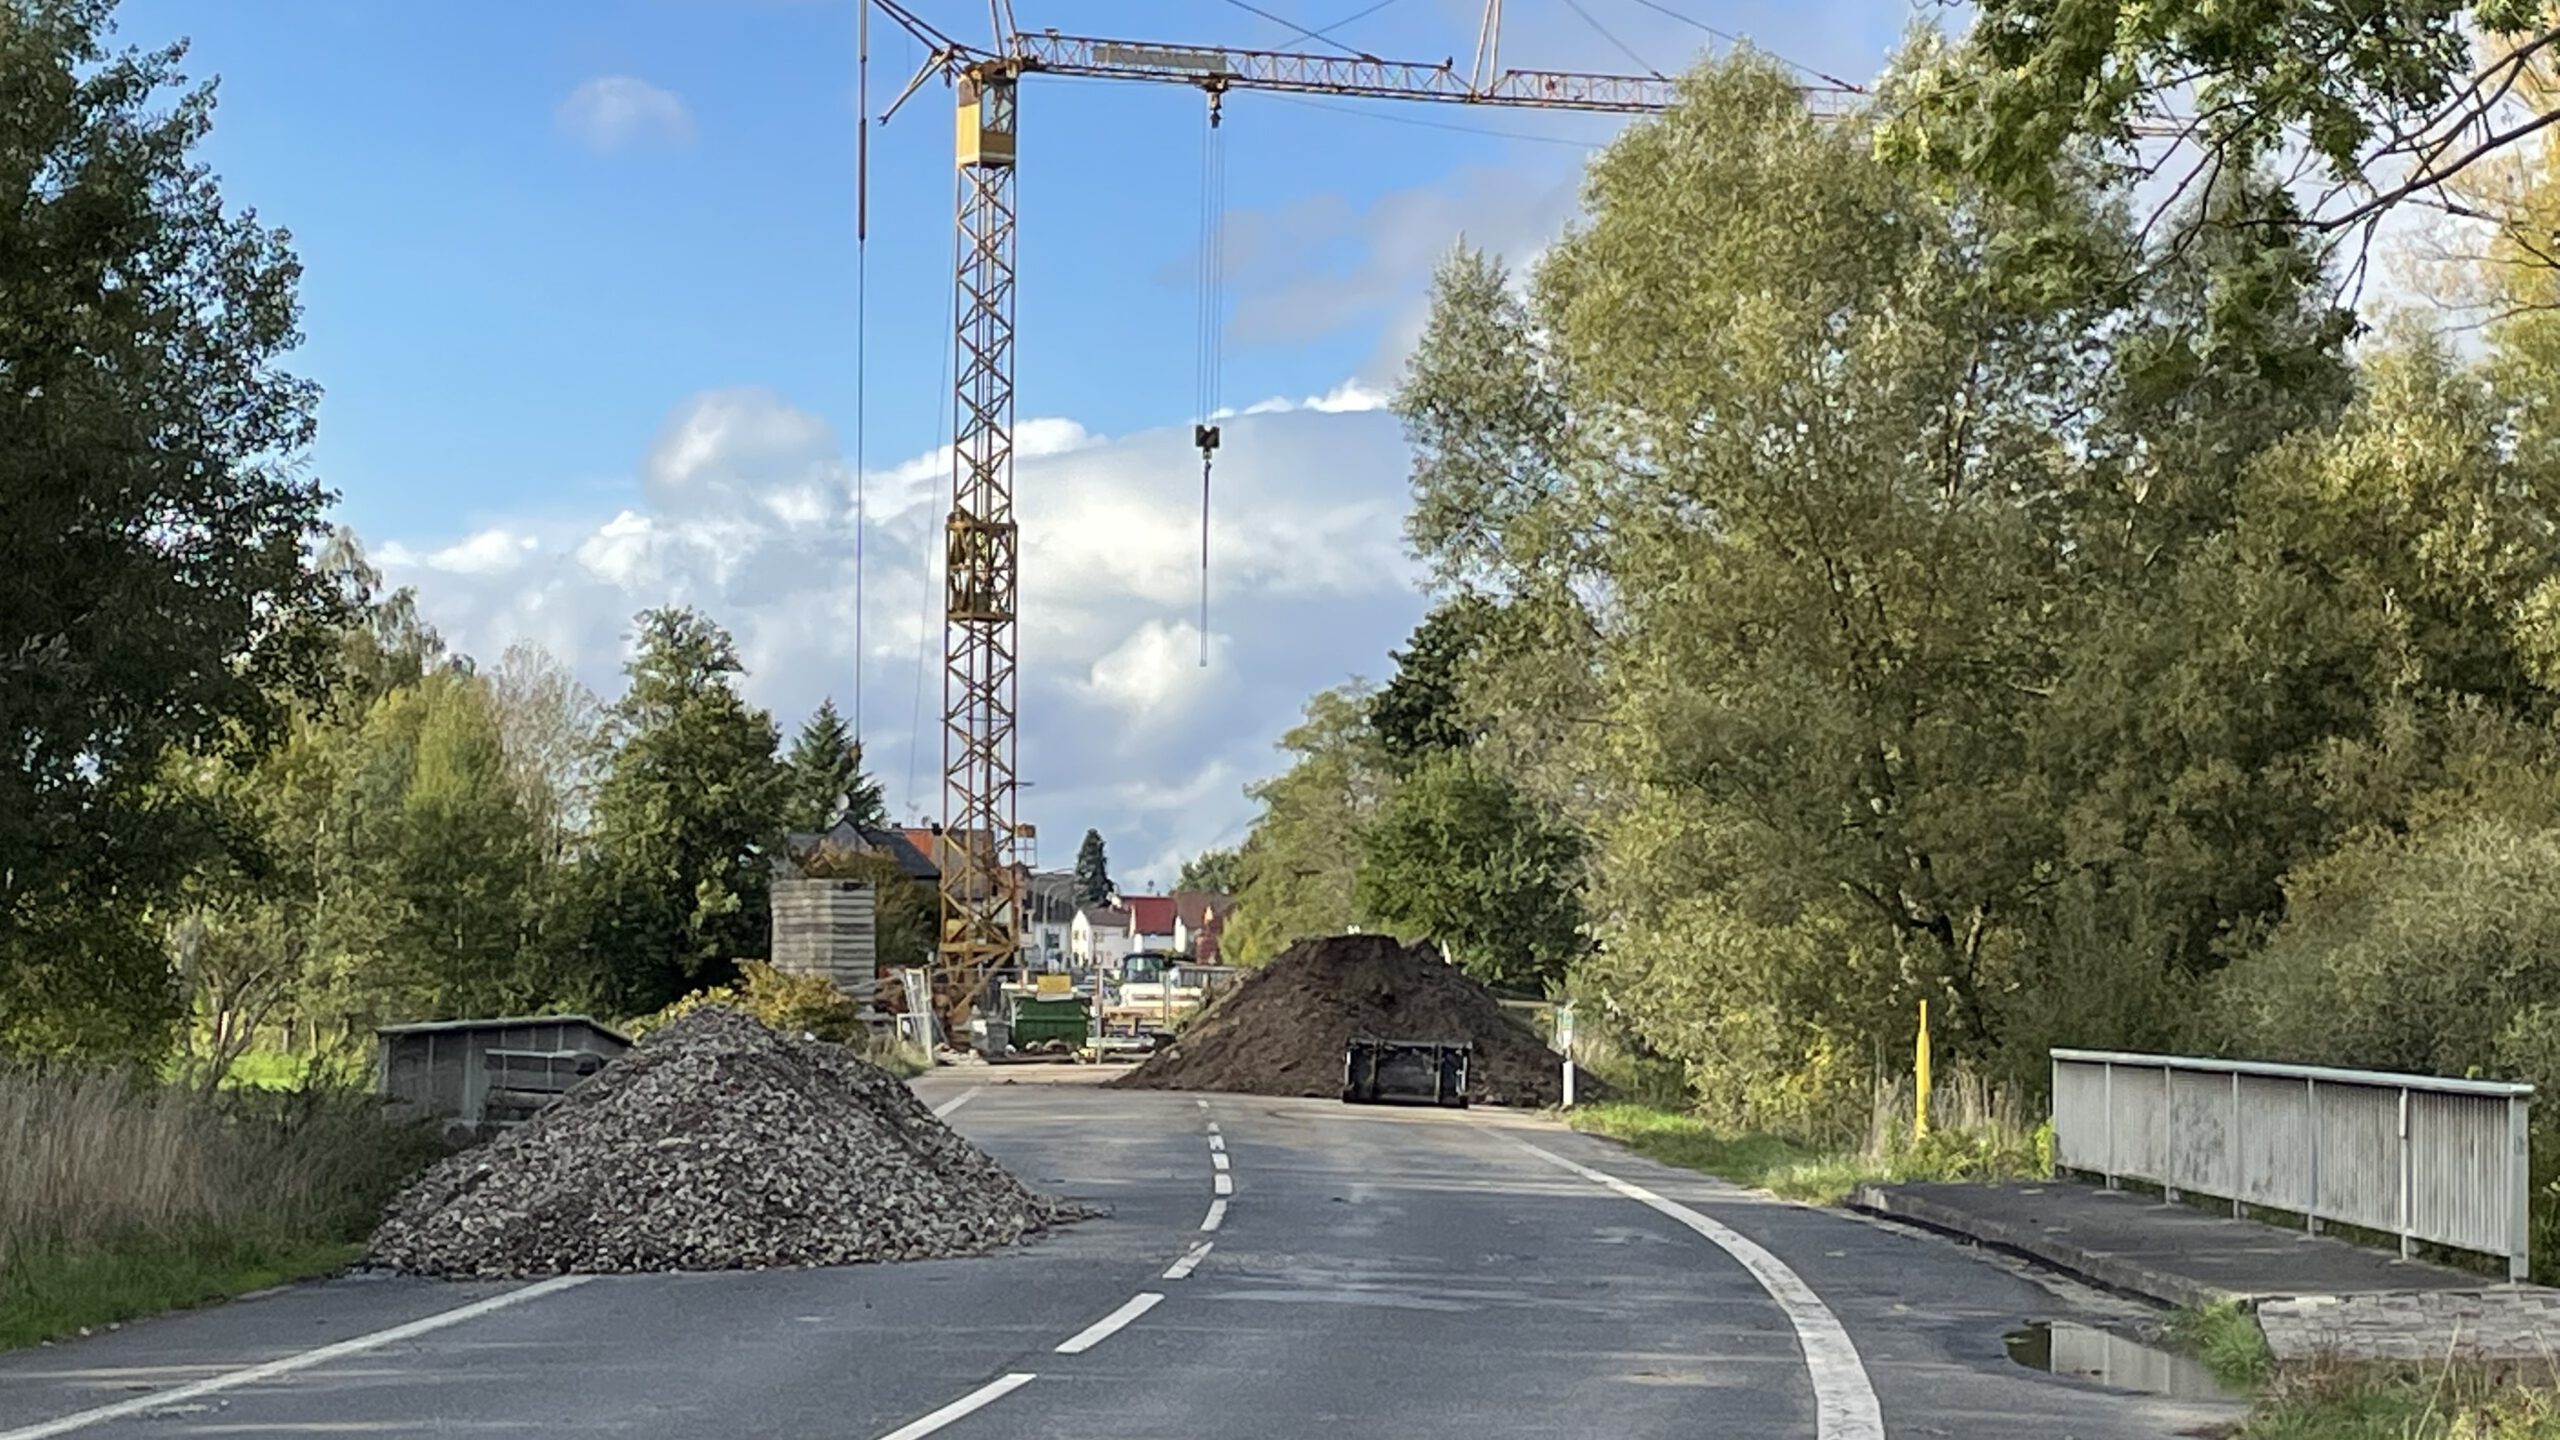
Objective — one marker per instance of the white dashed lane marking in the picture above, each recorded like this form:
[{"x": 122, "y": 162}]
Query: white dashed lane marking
[
  {"x": 1181, "y": 1269},
  {"x": 1109, "y": 1325},
  {"x": 970, "y": 1403}
]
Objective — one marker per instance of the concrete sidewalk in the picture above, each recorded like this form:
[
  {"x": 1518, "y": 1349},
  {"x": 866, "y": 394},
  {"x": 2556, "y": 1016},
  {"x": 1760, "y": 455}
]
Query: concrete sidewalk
[
  {"x": 2313, "y": 1295},
  {"x": 2175, "y": 1254}
]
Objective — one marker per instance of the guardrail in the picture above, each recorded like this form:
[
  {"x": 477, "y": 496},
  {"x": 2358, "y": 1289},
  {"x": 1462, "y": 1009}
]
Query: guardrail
[{"x": 2416, "y": 1156}]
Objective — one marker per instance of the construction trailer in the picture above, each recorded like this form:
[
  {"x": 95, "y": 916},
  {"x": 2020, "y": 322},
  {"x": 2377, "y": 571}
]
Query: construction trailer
[
  {"x": 1406, "y": 1072},
  {"x": 478, "y": 1076}
]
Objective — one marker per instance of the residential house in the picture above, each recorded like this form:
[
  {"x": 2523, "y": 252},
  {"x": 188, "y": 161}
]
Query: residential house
[
  {"x": 1048, "y": 919},
  {"x": 803, "y": 845},
  {"x": 1199, "y": 917},
  {"x": 1099, "y": 938},
  {"x": 1151, "y": 921}
]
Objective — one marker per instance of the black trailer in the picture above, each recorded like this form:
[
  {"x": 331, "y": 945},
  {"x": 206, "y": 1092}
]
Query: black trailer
[{"x": 1405, "y": 1072}]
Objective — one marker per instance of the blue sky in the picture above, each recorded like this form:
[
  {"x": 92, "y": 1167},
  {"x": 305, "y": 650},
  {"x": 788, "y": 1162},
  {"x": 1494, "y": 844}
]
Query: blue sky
[{"x": 581, "y": 286}]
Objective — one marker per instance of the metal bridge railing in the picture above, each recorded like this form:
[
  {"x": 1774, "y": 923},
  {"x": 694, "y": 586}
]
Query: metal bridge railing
[{"x": 2416, "y": 1156}]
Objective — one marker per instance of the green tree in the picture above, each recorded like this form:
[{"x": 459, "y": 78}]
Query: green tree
[
  {"x": 689, "y": 815},
  {"x": 1093, "y": 871},
  {"x": 1300, "y": 863},
  {"x": 463, "y": 865},
  {"x": 1457, "y": 853},
  {"x": 1419, "y": 710},
  {"x": 1218, "y": 872},
  {"x": 2395, "y": 99},
  {"x": 156, "y": 582},
  {"x": 828, "y": 784}
]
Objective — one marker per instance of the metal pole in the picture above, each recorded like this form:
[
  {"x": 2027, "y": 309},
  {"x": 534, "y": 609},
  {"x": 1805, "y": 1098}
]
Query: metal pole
[
  {"x": 2108, "y": 1081},
  {"x": 2311, "y": 1104},
  {"x": 2519, "y": 1189},
  {"x": 2168, "y": 1135},
  {"x": 2231, "y": 1150},
  {"x": 2407, "y": 1246}
]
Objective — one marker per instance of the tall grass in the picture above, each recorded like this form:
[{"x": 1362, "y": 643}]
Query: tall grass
[
  {"x": 1976, "y": 1132},
  {"x": 119, "y": 1195}
]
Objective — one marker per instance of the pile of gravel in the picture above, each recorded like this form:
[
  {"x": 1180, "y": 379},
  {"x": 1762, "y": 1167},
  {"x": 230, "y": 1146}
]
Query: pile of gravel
[
  {"x": 715, "y": 1144},
  {"x": 1282, "y": 1030}
]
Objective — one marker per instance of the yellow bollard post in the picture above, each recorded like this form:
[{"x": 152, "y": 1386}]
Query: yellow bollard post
[{"x": 1920, "y": 1080}]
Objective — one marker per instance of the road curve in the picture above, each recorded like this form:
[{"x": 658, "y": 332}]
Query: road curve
[{"x": 1269, "y": 1268}]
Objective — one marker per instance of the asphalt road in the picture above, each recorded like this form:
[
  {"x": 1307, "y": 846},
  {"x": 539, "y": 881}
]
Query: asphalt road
[{"x": 1370, "y": 1273}]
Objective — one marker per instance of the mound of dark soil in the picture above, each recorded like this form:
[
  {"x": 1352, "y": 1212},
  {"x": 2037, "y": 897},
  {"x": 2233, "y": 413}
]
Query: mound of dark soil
[
  {"x": 715, "y": 1144},
  {"x": 1282, "y": 1030}
]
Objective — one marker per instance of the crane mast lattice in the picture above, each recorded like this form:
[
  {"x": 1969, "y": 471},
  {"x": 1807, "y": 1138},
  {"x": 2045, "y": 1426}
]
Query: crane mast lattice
[{"x": 981, "y": 830}]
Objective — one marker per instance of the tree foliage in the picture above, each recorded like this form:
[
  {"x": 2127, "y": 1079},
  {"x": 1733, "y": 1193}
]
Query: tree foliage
[
  {"x": 1216, "y": 872},
  {"x": 1093, "y": 871},
  {"x": 828, "y": 784},
  {"x": 156, "y": 582},
  {"x": 1919, "y": 587},
  {"x": 2394, "y": 102},
  {"x": 1300, "y": 866},
  {"x": 1459, "y": 854},
  {"x": 687, "y": 820}
]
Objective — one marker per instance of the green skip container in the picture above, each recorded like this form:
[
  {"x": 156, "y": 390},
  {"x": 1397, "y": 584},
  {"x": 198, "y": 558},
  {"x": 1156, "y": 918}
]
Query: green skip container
[{"x": 1065, "y": 1017}]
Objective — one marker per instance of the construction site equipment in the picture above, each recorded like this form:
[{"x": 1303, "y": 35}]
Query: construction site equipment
[
  {"x": 1405, "y": 1072},
  {"x": 980, "y": 825},
  {"x": 1062, "y": 1021}
]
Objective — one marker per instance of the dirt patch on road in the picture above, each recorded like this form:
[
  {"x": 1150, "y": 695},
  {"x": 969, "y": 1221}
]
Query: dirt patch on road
[
  {"x": 1282, "y": 1030},
  {"x": 716, "y": 1144}
]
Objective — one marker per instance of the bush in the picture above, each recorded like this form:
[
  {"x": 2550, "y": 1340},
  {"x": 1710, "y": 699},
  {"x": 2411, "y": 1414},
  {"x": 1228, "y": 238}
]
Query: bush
[{"x": 793, "y": 1004}]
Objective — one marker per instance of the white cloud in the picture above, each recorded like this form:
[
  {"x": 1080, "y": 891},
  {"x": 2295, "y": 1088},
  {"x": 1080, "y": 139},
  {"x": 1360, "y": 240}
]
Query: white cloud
[
  {"x": 747, "y": 513},
  {"x": 619, "y": 112},
  {"x": 1155, "y": 675},
  {"x": 1351, "y": 397}
]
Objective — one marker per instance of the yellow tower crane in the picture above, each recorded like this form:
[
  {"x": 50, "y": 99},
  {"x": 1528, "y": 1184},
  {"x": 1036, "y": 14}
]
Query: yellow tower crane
[{"x": 981, "y": 899}]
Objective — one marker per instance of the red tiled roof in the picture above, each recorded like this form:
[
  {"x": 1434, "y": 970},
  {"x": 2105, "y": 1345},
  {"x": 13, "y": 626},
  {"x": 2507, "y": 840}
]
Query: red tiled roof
[{"x": 1149, "y": 914}]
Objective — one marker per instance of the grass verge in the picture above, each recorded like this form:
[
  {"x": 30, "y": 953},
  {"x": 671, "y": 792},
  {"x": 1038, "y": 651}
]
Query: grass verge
[
  {"x": 2226, "y": 1339},
  {"x": 52, "y": 1293},
  {"x": 121, "y": 1197},
  {"x": 2379, "y": 1402},
  {"x": 1985, "y": 1150}
]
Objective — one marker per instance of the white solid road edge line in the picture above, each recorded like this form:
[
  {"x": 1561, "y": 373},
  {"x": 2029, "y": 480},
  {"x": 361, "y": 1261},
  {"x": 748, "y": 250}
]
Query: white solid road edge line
[
  {"x": 1844, "y": 1399},
  {"x": 954, "y": 1103},
  {"x": 1217, "y": 1217},
  {"x": 1181, "y": 1269},
  {"x": 975, "y": 1400},
  {"x": 1109, "y": 1325},
  {"x": 1222, "y": 1184},
  {"x": 233, "y": 1380}
]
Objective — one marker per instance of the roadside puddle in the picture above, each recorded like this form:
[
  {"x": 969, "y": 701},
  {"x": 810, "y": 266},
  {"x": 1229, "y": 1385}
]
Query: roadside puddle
[{"x": 2085, "y": 1352}]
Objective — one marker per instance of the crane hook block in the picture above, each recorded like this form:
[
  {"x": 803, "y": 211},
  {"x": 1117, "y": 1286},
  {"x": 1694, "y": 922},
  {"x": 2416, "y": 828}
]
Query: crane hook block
[{"x": 1206, "y": 437}]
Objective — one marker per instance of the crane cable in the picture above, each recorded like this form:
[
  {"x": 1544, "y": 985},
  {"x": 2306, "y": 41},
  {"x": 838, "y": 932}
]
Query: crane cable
[
  {"x": 861, "y": 326},
  {"x": 1212, "y": 324}
]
